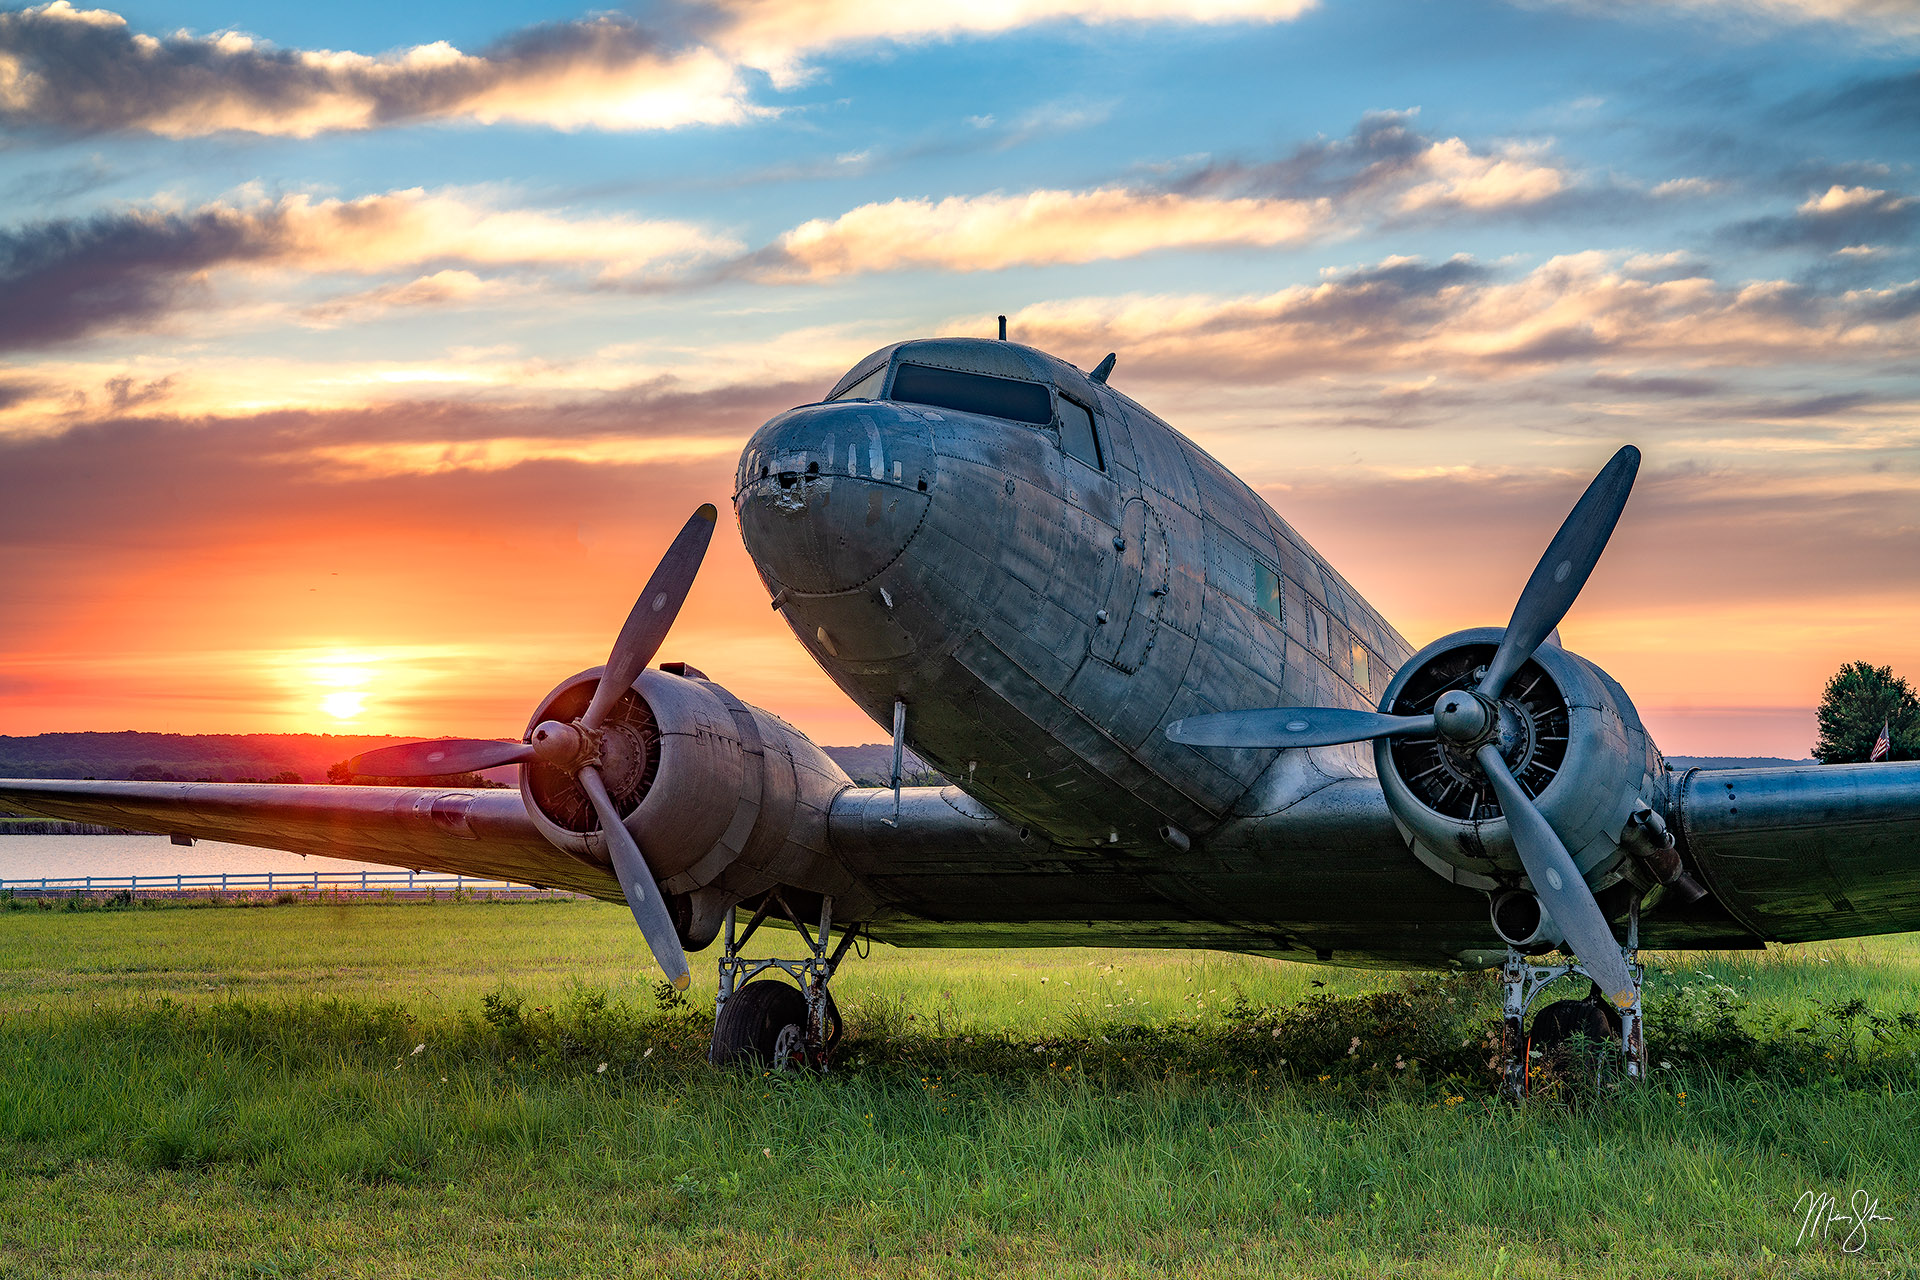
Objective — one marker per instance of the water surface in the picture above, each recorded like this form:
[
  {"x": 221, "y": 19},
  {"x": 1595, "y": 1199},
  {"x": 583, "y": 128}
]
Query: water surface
[{"x": 30, "y": 857}]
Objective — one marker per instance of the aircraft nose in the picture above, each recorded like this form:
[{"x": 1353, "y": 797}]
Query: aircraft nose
[{"x": 829, "y": 495}]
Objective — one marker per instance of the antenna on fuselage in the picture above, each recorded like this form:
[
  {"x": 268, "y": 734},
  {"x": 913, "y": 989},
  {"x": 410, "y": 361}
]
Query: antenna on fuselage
[
  {"x": 1101, "y": 370},
  {"x": 1003, "y": 328}
]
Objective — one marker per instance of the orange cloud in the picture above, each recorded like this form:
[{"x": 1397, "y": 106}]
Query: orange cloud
[
  {"x": 1404, "y": 315},
  {"x": 985, "y": 233},
  {"x": 132, "y": 266},
  {"x": 1388, "y": 173}
]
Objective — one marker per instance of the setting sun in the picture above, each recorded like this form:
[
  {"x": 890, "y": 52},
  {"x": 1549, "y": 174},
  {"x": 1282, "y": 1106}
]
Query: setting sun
[
  {"x": 343, "y": 704},
  {"x": 344, "y": 676}
]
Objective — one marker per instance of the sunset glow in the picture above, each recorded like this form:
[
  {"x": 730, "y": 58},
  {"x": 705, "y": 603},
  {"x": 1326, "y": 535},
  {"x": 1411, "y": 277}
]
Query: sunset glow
[
  {"x": 343, "y": 704},
  {"x": 358, "y": 369}
]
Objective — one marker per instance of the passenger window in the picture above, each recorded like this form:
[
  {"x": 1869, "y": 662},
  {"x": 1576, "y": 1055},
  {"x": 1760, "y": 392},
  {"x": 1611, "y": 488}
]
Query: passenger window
[
  {"x": 868, "y": 388},
  {"x": 1266, "y": 590},
  {"x": 1360, "y": 672},
  {"x": 1336, "y": 603},
  {"x": 1316, "y": 628},
  {"x": 1008, "y": 398},
  {"x": 1077, "y": 436}
]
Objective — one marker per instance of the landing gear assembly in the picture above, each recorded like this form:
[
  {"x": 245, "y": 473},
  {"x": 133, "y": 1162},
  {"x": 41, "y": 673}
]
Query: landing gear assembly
[
  {"x": 764, "y": 1022},
  {"x": 1616, "y": 1028}
]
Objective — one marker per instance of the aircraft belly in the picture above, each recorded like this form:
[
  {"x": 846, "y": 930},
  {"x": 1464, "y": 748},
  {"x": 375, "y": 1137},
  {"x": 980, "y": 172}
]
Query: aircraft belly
[{"x": 1330, "y": 877}]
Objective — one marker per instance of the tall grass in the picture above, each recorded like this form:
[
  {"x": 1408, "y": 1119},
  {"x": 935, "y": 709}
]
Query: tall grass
[{"x": 391, "y": 1090}]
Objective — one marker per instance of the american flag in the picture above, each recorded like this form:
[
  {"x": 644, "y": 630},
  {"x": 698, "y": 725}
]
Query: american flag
[{"x": 1882, "y": 744}]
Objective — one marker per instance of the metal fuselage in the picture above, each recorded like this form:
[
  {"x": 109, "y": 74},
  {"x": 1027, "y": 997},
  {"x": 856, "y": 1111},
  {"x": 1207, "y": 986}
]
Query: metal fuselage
[{"x": 1044, "y": 616}]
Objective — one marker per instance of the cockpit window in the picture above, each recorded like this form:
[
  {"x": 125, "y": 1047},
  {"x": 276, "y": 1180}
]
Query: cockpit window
[
  {"x": 974, "y": 393},
  {"x": 1077, "y": 435},
  {"x": 868, "y": 388}
]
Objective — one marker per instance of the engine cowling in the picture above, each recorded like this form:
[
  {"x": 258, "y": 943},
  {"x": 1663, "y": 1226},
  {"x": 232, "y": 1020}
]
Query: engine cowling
[
  {"x": 1567, "y": 730},
  {"x": 725, "y": 799}
]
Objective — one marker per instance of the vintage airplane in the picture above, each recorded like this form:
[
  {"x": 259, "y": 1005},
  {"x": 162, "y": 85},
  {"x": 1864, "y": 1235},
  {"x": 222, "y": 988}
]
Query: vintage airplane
[{"x": 1167, "y": 722}]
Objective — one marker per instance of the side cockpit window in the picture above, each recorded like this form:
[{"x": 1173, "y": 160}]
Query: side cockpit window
[
  {"x": 1077, "y": 435},
  {"x": 1008, "y": 398},
  {"x": 868, "y": 388}
]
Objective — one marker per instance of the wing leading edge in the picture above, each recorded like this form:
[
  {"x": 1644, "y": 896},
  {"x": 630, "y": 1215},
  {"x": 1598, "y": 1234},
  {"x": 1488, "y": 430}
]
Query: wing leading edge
[{"x": 478, "y": 833}]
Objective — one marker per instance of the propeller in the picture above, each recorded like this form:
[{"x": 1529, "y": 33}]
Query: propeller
[
  {"x": 575, "y": 748},
  {"x": 1470, "y": 719}
]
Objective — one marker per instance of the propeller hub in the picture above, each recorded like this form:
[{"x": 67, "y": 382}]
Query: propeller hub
[
  {"x": 564, "y": 746},
  {"x": 1465, "y": 718}
]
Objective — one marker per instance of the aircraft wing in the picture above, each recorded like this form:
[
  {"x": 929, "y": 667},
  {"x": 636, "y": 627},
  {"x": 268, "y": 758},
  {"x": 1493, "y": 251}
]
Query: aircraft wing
[{"x": 484, "y": 833}]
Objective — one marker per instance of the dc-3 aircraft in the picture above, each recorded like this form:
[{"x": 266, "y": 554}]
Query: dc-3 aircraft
[{"x": 1168, "y": 722}]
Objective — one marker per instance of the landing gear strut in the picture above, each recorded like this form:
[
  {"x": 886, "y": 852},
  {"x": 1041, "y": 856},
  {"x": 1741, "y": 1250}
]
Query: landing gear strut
[
  {"x": 767, "y": 1022},
  {"x": 1524, "y": 981}
]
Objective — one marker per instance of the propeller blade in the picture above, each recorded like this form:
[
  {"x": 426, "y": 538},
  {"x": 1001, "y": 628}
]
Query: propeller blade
[
  {"x": 438, "y": 759},
  {"x": 1293, "y": 727},
  {"x": 653, "y": 613},
  {"x": 1558, "y": 882},
  {"x": 1564, "y": 569},
  {"x": 636, "y": 881}
]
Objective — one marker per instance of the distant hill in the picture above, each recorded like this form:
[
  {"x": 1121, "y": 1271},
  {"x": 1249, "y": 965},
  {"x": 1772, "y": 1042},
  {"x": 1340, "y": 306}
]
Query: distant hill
[
  {"x": 180, "y": 757},
  {"x": 872, "y": 765}
]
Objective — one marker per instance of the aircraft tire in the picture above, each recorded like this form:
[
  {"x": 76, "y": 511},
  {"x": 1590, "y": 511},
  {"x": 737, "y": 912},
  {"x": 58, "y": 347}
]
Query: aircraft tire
[{"x": 748, "y": 1032}]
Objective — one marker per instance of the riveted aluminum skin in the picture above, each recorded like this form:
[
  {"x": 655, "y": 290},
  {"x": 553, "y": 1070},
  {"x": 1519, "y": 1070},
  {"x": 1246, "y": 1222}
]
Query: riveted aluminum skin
[
  {"x": 1809, "y": 852},
  {"x": 1049, "y": 615},
  {"x": 839, "y": 491},
  {"x": 1610, "y": 769}
]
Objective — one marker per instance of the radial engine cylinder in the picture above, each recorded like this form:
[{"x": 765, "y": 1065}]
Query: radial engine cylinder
[{"x": 1570, "y": 735}]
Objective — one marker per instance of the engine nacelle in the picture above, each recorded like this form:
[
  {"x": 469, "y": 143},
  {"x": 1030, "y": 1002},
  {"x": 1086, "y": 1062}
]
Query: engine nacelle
[
  {"x": 725, "y": 800},
  {"x": 1570, "y": 735}
]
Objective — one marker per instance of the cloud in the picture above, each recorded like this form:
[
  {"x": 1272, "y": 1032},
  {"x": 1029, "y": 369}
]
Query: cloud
[
  {"x": 1407, "y": 316},
  {"x": 1821, "y": 406},
  {"x": 1887, "y": 101},
  {"x": 126, "y": 392},
  {"x": 1837, "y": 218},
  {"x": 776, "y": 35},
  {"x": 1680, "y": 388},
  {"x": 74, "y": 70},
  {"x": 985, "y": 233},
  {"x": 85, "y": 71},
  {"x": 129, "y": 268},
  {"x": 1896, "y": 21},
  {"x": 1384, "y": 174},
  {"x": 440, "y": 289},
  {"x": 1388, "y": 165}
]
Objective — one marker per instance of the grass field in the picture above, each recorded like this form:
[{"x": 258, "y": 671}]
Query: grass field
[{"x": 474, "y": 1089}]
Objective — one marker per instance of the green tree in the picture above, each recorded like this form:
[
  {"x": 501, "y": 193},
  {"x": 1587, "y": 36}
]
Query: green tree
[{"x": 1859, "y": 700}]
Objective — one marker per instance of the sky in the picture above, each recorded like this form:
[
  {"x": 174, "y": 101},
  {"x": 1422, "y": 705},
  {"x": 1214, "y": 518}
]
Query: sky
[{"x": 357, "y": 361}]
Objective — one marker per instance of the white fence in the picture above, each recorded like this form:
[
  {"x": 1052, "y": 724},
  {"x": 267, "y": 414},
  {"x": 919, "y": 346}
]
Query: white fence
[{"x": 277, "y": 881}]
